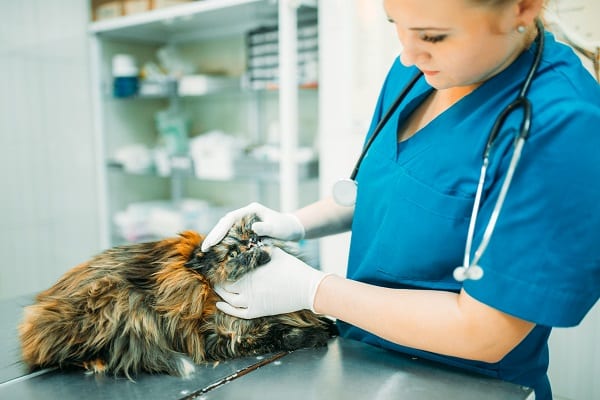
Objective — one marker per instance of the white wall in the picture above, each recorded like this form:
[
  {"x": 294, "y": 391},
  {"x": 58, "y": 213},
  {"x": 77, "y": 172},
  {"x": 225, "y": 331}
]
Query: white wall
[
  {"x": 575, "y": 359},
  {"x": 574, "y": 353},
  {"x": 577, "y": 21},
  {"x": 48, "y": 217},
  {"x": 357, "y": 46}
]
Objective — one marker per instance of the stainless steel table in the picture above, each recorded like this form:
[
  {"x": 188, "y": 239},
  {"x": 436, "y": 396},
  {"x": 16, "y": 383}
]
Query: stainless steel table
[{"x": 345, "y": 369}]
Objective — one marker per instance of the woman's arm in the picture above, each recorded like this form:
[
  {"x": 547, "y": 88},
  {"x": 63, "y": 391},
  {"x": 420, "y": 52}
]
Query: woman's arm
[
  {"x": 318, "y": 219},
  {"x": 436, "y": 321},
  {"x": 325, "y": 217}
]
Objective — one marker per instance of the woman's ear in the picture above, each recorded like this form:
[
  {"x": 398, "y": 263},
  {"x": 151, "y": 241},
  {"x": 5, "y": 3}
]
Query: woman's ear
[{"x": 526, "y": 11}]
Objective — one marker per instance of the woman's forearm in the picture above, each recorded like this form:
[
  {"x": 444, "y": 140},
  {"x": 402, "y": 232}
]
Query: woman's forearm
[
  {"x": 436, "y": 321},
  {"x": 325, "y": 217}
]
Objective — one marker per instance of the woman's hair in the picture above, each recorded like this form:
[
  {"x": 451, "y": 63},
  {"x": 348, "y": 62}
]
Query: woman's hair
[
  {"x": 498, "y": 4},
  {"x": 494, "y": 3}
]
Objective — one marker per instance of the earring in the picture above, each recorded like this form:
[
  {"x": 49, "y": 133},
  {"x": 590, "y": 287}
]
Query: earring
[{"x": 521, "y": 29}]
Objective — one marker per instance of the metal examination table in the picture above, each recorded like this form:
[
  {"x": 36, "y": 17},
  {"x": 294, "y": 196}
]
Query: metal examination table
[{"x": 344, "y": 370}]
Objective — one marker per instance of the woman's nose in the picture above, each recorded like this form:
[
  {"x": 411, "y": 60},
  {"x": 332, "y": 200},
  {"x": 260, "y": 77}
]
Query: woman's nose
[{"x": 412, "y": 52}]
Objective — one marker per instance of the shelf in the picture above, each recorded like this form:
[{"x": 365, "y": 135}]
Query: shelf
[
  {"x": 192, "y": 21},
  {"x": 232, "y": 85},
  {"x": 246, "y": 169},
  {"x": 202, "y": 85},
  {"x": 187, "y": 86}
]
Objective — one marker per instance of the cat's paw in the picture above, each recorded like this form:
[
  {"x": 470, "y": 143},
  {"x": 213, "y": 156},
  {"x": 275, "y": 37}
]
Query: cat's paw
[
  {"x": 97, "y": 366},
  {"x": 185, "y": 367}
]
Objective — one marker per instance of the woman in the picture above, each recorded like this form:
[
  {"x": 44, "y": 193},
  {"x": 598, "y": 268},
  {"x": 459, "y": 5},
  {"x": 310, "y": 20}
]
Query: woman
[{"x": 416, "y": 189}]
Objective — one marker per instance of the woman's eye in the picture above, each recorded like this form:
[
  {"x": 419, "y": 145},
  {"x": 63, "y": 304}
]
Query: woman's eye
[{"x": 432, "y": 38}]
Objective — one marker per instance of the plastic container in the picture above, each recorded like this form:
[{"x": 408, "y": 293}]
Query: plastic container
[
  {"x": 173, "y": 127},
  {"x": 125, "y": 76}
]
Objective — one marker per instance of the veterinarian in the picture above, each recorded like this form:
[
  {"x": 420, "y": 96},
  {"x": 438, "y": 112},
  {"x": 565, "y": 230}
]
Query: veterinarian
[{"x": 412, "y": 284}]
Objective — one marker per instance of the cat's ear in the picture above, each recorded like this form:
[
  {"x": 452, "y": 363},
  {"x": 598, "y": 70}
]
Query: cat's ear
[
  {"x": 189, "y": 241},
  {"x": 205, "y": 263}
]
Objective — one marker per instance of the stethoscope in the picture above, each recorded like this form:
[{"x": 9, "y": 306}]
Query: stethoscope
[{"x": 345, "y": 190}]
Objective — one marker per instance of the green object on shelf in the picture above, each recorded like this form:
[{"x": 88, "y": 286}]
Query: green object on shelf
[{"x": 173, "y": 127}]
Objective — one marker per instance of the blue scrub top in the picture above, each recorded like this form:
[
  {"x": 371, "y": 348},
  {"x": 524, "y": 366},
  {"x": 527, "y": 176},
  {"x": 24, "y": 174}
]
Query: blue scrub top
[{"x": 415, "y": 198}]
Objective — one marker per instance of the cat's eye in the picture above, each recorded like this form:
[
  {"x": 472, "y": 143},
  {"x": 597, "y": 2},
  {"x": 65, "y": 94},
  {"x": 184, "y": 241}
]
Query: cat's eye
[{"x": 232, "y": 254}]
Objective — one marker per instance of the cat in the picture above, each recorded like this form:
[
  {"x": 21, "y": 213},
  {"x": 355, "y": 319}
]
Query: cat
[{"x": 151, "y": 307}]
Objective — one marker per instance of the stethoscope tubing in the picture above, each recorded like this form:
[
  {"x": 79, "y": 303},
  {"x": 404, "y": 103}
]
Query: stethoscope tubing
[
  {"x": 520, "y": 102},
  {"x": 489, "y": 229},
  {"x": 383, "y": 121}
]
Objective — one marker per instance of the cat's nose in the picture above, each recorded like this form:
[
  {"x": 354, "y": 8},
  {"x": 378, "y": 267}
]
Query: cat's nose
[
  {"x": 264, "y": 257},
  {"x": 255, "y": 242}
]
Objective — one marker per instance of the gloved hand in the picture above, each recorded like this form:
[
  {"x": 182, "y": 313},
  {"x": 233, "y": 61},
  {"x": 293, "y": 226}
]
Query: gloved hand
[
  {"x": 273, "y": 224},
  {"x": 284, "y": 284}
]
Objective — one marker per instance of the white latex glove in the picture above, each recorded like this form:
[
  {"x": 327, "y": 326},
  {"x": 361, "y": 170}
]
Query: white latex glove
[
  {"x": 285, "y": 284},
  {"x": 283, "y": 226}
]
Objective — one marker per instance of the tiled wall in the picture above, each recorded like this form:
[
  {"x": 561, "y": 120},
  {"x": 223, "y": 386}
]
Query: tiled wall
[{"x": 48, "y": 218}]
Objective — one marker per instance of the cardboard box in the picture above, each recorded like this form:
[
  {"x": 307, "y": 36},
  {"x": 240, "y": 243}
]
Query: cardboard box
[
  {"x": 106, "y": 9},
  {"x": 136, "y": 6},
  {"x": 168, "y": 3}
]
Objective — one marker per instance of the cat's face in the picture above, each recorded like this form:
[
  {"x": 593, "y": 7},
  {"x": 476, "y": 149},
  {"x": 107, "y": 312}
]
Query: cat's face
[{"x": 240, "y": 251}]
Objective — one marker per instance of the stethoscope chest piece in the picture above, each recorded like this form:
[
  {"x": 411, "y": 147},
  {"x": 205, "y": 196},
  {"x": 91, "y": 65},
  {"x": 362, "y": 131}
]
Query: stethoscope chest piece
[
  {"x": 344, "y": 192},
  {"x": 473, "y": 272}
]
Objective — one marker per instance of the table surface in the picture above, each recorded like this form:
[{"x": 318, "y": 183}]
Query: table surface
[{"x": 342, "y": 370}]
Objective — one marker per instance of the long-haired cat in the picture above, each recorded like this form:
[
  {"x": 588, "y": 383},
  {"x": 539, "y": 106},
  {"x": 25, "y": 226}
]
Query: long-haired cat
[{"x": 150, "y": 306}]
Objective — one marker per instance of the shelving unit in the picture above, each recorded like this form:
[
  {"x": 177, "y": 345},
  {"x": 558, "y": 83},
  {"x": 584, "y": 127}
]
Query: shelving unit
[
  {"x": 127, "y": 121},
  {"x": 186, "y": 22}
]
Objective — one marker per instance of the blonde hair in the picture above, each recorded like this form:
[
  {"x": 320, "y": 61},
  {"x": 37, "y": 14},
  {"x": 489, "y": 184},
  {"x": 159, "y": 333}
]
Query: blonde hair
[{"x": 496, "y": 3}]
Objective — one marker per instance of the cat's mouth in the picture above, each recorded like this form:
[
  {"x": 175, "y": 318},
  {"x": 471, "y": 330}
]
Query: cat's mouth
[{"x": 255, "y": 241}]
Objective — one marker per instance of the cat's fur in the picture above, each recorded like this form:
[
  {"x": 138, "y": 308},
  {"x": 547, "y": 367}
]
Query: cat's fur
[{"x": 149, "y": 306}]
